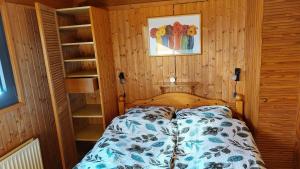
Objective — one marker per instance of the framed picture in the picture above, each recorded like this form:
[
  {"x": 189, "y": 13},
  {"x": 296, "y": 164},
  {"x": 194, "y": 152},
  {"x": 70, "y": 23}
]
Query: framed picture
[{"x": 175, "y": 35}]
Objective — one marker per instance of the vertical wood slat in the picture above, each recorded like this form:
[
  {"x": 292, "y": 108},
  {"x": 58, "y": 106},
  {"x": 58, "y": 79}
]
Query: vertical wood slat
[
  {"x": 253, "y": 44},
  {"x": 35, "y": 117},
  {"x": 105, "y": 63},
  {"x": 47, "y": 21}
]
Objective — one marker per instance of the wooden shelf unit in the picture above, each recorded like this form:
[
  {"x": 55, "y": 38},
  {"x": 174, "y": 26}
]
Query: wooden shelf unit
[
  {"x": 74, "y": 31},
  {"x": 74, "y": 35},
  {"x": 82, "y": 40}
]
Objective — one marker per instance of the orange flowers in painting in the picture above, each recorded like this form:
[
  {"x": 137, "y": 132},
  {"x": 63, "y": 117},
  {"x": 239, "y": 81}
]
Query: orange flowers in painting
[{"x": 176, "y": 36}]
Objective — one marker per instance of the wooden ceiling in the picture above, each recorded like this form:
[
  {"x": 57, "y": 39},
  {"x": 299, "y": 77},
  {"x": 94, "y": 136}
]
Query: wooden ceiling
[
  {"x": 110, "y": 2},
  {"x": 122, "y": 2}
]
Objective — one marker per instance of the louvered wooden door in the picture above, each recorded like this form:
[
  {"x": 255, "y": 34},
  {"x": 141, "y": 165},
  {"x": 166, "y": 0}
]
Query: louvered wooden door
[{"x": 47, "y": 21}]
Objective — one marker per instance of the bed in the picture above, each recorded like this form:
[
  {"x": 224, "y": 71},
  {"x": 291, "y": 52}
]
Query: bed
[{"x": 176, "y": 130}]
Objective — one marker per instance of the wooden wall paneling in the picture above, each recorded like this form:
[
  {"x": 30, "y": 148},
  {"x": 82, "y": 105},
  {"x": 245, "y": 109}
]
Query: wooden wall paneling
[
  {"x": 164, "y": 65},
  {"x": 185, "y": 65},
  {"x": 130, "y": 35},
  {"x": 129, "y": 51},
  {"x": 279, "y": 83},
  {"x": 253, "y": 44},
  {"x": 105, "y": 62},
  {"x": 35, "y": 117},
  {"x": 212, "y": 48},
  {"x": 18, "y": 20},
  {"x": 223, "y": 28},
  {"x": 130, "y": 3},
  {"x": 241, "y": 36},
  {"x": 156, "y": 63},
  {"x": 226, "y": 50},
  {"x": 48, "y": 26},
  {"x": 203, "y": 91},
  {"x": 219, "y": 46},
  {"x": 232, "y": 44},
  {"x": 139, "y": 51},
  {"x": 24, "y": 21}
]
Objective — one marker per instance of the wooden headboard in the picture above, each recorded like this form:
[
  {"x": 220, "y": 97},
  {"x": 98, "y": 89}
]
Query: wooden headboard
[{"x": 184, "y": 100}]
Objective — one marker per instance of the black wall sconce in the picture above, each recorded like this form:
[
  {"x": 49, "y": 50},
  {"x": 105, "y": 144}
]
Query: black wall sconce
[
  {"x": 237, "y": 74},
  {"x": 122, "y": 82},
  {"x": 236, "y": 77},
  {"x": 122, "y": 77}
]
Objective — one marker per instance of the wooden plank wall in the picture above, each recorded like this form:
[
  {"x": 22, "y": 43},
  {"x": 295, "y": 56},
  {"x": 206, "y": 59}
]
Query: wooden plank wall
[
  {"x": 35, "y": 118},
  {"x": 223, "y": 49},
  {"x": 253, "y": 44},
  {"x": 276, "y": 134}
]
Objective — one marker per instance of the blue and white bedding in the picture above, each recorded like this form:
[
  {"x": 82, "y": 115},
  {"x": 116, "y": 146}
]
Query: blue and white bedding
[
  {"x": 142, "y": 138},
  {"x": 208, "y": 138},
  {"x": 200, "y": 138}
]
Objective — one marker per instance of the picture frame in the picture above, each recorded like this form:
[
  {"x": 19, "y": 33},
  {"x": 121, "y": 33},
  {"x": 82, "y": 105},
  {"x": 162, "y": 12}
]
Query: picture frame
[{"x": 175, "y": 35}]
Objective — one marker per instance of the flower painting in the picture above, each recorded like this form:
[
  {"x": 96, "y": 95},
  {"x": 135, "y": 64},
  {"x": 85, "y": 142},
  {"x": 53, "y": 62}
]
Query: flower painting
[{"x": 175, "y": 35}]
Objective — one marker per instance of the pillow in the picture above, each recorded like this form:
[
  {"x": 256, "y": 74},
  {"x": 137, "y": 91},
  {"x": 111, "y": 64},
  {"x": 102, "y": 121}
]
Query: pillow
[
  {"x": 152, "y": 112},
  {"x": 205, "y": 111}
]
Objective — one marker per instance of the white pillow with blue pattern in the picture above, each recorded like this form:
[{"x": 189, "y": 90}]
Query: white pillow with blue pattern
[
  {"x": 152, "y": 112},
  {"x": 204, "y": 111}
]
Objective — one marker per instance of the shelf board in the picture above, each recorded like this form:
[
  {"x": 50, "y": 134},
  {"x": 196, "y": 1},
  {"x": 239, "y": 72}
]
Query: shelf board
[
  {"x": 77, "y": 43},
  {"x": 81, "y": 59},
  {"x": 89, "y": 133},
  {"x": 83, "y": 73},
  {"x": 89, "y": 111},
  {"x": 74, "y": 10},
  {"x": 74, "y": 27}
]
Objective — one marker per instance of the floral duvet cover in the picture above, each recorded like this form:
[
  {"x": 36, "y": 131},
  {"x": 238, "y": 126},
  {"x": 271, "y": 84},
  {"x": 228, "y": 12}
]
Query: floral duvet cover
[
  {"x": 208, "y": 138},
  {"x": 143, "y": 138},
  {"x": 201, "y": 138}
]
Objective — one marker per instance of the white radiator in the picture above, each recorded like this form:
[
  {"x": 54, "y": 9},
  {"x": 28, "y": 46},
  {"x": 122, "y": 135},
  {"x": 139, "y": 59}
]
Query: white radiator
[{"x": 26, "y": 156}]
